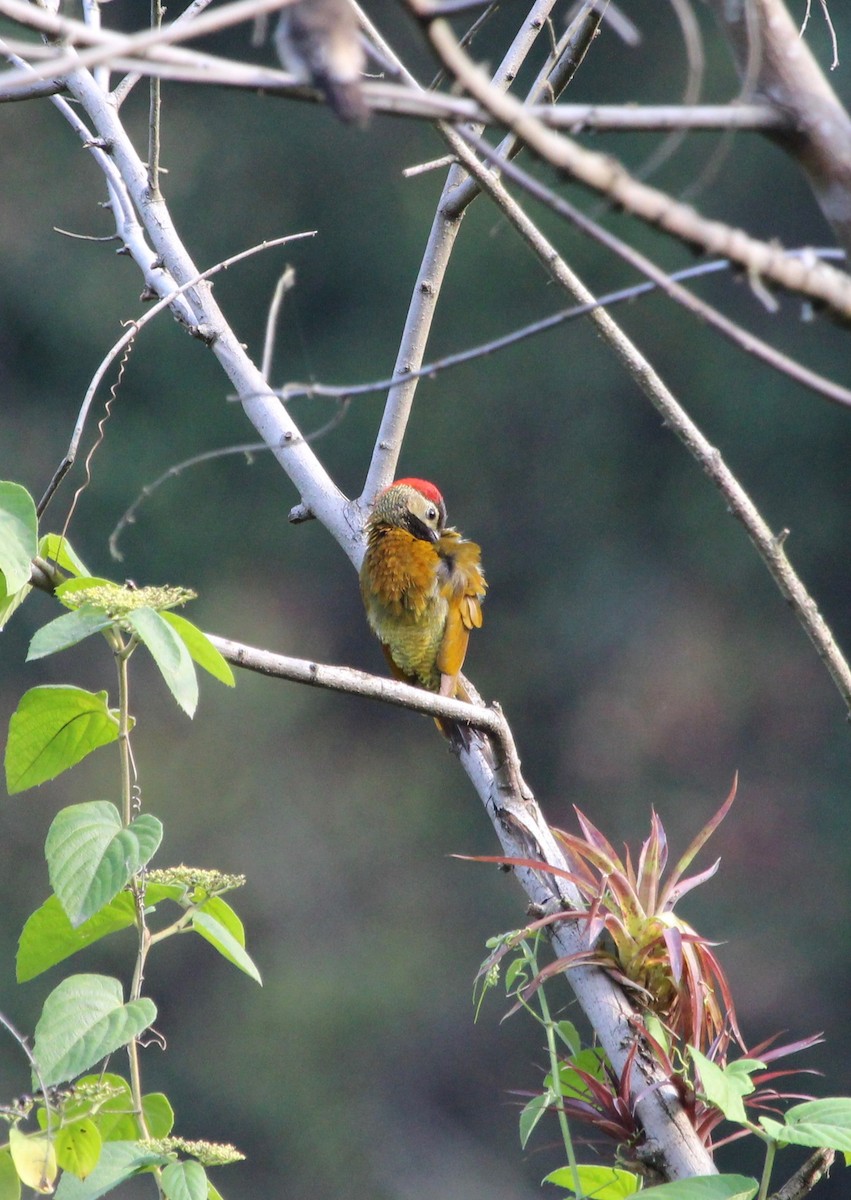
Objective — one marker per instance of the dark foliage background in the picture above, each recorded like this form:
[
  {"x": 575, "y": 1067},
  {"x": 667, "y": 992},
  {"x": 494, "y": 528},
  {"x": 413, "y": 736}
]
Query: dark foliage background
[{"x": 631, "y": 633}]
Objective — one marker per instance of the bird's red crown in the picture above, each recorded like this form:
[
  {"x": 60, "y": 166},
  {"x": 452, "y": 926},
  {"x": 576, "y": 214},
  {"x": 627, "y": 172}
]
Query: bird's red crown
[{"x": 423, "y": 487}]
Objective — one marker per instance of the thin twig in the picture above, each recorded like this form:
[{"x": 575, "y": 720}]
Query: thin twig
[
  {"x": 768, "y": 545},
  {"x": 124, "y": 341},
  {"x": 609, "y": 178},
  {"x": 818, "y": 383}
]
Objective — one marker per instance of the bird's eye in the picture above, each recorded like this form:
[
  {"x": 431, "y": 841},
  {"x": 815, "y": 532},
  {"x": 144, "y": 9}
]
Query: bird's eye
[{"x": 431, "y": 513}]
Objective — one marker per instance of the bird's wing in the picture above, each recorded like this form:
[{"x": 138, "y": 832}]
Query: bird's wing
[{"x": 463, "y": 586}]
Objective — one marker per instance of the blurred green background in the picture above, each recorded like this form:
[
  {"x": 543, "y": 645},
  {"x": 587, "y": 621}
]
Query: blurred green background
[{"x": 631, "y": 633}]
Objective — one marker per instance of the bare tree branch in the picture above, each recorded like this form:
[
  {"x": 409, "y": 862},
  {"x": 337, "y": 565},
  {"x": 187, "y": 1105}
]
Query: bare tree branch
[
  {"x": 788, "y": 77},
  {"x": 609, "y": 178}
]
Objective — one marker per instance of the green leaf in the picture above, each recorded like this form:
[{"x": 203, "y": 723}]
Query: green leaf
[
  {"x": 705, "y": 1187},
  {"x": 66, "y": 631},
  {"x": 60, "y": 551},
  {"x": 117, "y": 1122},
  {"x": 48, "y": 937},
  {"x": 598, "y": 1183},
  {"x": 34, "y": 1159},
  {"x": 815, "y": 1123},
  {"x": 213, "y": 1192},
  {"x": 118, "y": 1162},
  {"x": 218, "y": 924},
  {"x": 53, "y": 728},
  {"x": 170, "y": 655},
  {"x": 78, "y": 1147},
  {"x": 725, "y": 1088},
  {"x": 10, "y": 1180},
  {"x": 18, "y": 534},
  {"x": 83, "y": 1020},
  {"x": 114, "y": 1116},
  {"x": 184, "y": 1181},
  {"x": 201, "y": 648},
  {"x": 10, "y": 601},
  {"x": 159, "y": 1115},
  {"x": 91, "y": 855},
  {"x": 569, "y": 1034},
  {"x": 532, "y": 1113}
]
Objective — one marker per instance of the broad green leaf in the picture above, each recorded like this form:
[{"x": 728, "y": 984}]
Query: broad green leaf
[
  {"x": 814, "y": 1123},
  {"x": 532, "y": 1113},
  {"x": 117, "y": 1122},
  {"x": 705, "y": 1187},
  {"x": 118, "y": 1162},
  {"x": 201, "y": 648},
  {"x": 83, "y": 1020},
  {"x": 66, "y": 631},
  {"x": 725, "y": 1088},
  {"x": 159, "y": 1115},
  {"x": 170, "y": 654},
  {"x": 598, "y": 1183},
  {"x": 213, "y": 1192},
  {"x": 48, "y": 937},
  {"x": 91, "y": 855},
  {"x": 34, "y": 1159},
  {"x": 10, "y": 601},
  {"x": 184, "y": 1181},
  {"x": 53, "y": 728},
  {"x": 215, "y": 923},
  {"x": 10, "y": 1180},
  {"x": 60, "y": 551},
  {"x": 114, "y": 1115},
  {"x": 18, "y": 534},
  {"x": 78, "y": 1147}
]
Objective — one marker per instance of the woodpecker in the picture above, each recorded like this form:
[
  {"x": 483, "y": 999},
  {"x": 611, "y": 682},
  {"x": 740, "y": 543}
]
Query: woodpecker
[
  {"x": 422, "y": 586},
  {"x": 318, "y": 41}
]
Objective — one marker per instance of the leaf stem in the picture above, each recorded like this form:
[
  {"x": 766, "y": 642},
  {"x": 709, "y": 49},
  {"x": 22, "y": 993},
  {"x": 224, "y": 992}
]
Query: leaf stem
[
  {"x": 770, "y": 1151},
  {"x": 555, "y": 1075}
]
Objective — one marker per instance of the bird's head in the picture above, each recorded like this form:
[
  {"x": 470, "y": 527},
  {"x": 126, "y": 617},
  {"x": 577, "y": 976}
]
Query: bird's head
[{"x": 414, "y": 505}]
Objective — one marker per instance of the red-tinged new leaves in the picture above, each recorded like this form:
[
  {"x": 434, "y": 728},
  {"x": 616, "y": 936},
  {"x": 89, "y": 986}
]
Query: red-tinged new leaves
[{"x": 699, "y": 842}]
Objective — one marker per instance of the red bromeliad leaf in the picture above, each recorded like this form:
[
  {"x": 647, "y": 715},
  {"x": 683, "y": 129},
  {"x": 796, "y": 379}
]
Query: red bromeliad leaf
[
  {"x": 699, "y": 841},
  {"x": 651, "y": 864}
]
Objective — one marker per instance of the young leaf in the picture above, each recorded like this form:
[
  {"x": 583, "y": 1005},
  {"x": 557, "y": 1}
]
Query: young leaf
[
  {"x": 815, "y": 1123},
  {"x": 91, "y": 855},
  {"x": 705, "y": 1187},
  {"x": 601, "y": 1183},
  {"x": 78, "y": 1147},
  {"x": 218, "y": 924},
  {"x": 34, "y": 1159},
  {"x": 48, "y": 936},
  {"x": 10, "y": 1180},
  {"x": 201, "y": 648},
  {"x": 60, "y": 550},
  {"x": 532, "y": 1113},
  {"x": 66, "y": 631},
  {"x": 83, "y": 1020},
  {"x": 118, "y": 1162},
  {"x": 18, "y": 534},
  {"x": 184, "y": 1181},
  {"x": 53, "y": 728},
  {"x": 169, "y": 653},
  {"x": 725, "y": 1088},
  {"x": 9, "y": 602}
]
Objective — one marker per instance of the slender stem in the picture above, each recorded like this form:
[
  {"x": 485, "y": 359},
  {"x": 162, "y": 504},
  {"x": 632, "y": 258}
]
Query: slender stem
[
  {"x": 122, "y": 651},
  {"x": 154, "y": 116},
  {"x": 770, "y": 1151},
  {"x": 552, "y": 1051}
]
